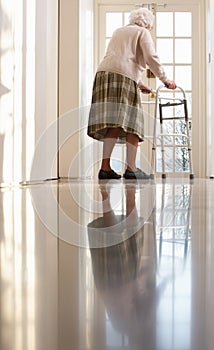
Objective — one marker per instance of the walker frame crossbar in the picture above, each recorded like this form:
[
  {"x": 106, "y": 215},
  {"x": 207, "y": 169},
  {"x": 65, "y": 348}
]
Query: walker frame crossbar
[{"x": 159, "y": 106}]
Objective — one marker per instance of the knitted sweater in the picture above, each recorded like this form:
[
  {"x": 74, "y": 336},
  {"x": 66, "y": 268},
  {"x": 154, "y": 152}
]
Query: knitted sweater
[{"x": 130, "y": 49}]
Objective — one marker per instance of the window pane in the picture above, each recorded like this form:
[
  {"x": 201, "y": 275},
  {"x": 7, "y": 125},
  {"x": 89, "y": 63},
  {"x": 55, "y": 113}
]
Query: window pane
[
  {"x": 169, "y": 74},
  {"x": 114, "y": 20},
  {"x": 183, "y": 50},
  {"x": 183, "y": 77},
  {"x": 181, "y": 159},
  {"x": 165, "y": 50},
  {"x": 189, "y": 104},
  {"x": 181, "y": 129},
  {"x": 167, "y": 112},
  {"x": 167, "y": 127},
  {"x": 168, "y": 157},
  {"x": 183, "y": 24},
  {"x": 179, "y": 111},
  {"x": 126, "y": 18},
  {"x": 168, "y": 140},
  {"x": 107, "y": 42},
  {"x": 164, "y": 24},
  {"x": 189, "y": 101}
]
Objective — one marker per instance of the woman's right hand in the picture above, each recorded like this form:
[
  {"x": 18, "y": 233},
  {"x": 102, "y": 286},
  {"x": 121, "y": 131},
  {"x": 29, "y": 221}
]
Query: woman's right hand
[
  {"x": 170, "y": 84},
  {"x": 144, "y": 88}
]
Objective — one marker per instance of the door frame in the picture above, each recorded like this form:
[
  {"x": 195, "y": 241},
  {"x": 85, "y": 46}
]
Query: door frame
[{"x": 198, "y": 78}]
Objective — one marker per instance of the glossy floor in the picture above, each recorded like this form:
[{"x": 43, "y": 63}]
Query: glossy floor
[{"x": 88, "y": 266}]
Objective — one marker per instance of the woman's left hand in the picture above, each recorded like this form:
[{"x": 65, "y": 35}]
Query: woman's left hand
[{"x": 170, "y": 84}]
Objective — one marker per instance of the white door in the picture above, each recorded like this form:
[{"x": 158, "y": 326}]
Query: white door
[{"x": 177, "y": 37}]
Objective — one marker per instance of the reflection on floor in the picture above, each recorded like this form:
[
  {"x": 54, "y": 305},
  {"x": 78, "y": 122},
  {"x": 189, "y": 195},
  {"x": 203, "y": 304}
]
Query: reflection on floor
[{"x": 116, "y": 265}]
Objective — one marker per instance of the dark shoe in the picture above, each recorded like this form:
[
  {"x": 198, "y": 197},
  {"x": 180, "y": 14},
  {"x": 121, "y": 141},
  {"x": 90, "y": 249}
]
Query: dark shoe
[
  {"x": 107, "y": 175},
  {"x": 138, "y": 175}
]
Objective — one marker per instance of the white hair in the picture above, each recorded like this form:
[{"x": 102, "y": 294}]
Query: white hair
[{"x": 142, "y": 17}]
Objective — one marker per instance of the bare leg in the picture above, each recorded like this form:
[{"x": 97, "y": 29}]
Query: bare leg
[
  {"x": 108, "y": 145},
  {"x": 131, "y": 151}
]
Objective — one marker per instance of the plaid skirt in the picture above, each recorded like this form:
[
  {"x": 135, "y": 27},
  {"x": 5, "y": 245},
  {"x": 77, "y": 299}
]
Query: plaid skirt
[{"x": 115, "y": 103}]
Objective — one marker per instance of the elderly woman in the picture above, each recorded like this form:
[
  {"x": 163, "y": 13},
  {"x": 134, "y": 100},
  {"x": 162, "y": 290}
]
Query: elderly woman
[{"x": 116, "y": 114}]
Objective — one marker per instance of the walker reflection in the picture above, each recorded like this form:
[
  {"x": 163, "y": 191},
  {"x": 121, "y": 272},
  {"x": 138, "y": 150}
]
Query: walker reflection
[{"x": 133, "y": 286}]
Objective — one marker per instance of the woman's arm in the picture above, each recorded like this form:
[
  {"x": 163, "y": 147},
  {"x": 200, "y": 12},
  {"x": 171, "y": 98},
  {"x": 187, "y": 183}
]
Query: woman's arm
[{"x": 153, "y": 61}]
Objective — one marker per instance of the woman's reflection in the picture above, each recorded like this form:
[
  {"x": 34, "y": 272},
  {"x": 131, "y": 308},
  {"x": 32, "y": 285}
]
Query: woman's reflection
[{"x": 125, "y": 274}]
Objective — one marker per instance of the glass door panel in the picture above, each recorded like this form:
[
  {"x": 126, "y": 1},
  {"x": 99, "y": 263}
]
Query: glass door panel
[
  {"x": 183, "y": 51},
  {"x": 174, "y": 47},
  {"x": 183, "y": 24},
  {"x": 114, "y": 20},
  {"x": 165, "y": 50},
  {"x": 164, "y": 24}
]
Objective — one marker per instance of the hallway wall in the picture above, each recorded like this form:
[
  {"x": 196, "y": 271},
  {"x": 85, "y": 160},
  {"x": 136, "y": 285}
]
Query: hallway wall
[
  {"x": 28, "y": 86},
  {"x": 75, "y": 81},
  {"x": 210, "y": 88}
]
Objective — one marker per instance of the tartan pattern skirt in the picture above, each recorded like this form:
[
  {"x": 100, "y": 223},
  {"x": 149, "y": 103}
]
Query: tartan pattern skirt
[{"x": 115, "y": 103}]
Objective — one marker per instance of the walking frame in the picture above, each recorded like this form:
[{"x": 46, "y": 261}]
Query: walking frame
[{"x": 160, "y": 105}]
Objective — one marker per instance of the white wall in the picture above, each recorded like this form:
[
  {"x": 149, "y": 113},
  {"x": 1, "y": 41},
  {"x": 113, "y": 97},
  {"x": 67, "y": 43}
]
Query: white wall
[
  {"x": 75, "y": 81},
  {"x": 46, "y": 87},
  {"x": 86, "y": 82},
  {"x": 68, "y": 82},
  {"x": 28, "y": 87},
  {"x": 28, "y": 90},
  {"x": 210, "y": 89}
]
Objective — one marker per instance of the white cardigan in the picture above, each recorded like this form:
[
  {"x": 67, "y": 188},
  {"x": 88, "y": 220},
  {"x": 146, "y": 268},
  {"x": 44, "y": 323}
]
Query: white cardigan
[{"x": 130, "y": 49}]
